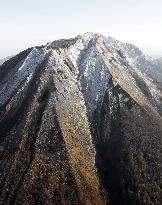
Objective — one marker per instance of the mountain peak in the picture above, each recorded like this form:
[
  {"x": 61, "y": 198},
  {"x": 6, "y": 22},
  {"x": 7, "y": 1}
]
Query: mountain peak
[{"x": 89, "y": 35}]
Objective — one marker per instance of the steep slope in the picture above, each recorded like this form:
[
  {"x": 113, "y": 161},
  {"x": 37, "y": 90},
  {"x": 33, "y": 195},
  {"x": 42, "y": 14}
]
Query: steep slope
[
  {"x": 74, "y": 118},
  {"x": 143, "y": 64},
  {"x": 158, "y": 70}
]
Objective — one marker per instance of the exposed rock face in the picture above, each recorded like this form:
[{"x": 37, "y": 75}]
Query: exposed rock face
[{"x": 79, "y": 124}]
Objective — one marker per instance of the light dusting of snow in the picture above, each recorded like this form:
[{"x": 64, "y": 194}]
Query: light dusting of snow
[
  {"x": 74, "y": 51},
  {"x": 24, "y": 74},
  {"x": 155, "y": 92},
  {"x": 94, "y": 77},
  {"x": 86, "y": 66}
]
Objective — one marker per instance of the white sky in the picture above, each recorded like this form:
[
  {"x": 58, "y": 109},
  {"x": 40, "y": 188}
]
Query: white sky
[{"x": 26, "y": 23}]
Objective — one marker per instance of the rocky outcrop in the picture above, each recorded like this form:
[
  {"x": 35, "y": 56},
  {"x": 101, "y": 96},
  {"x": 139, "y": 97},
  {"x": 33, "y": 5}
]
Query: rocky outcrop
[{"x": 79, "y": 124}]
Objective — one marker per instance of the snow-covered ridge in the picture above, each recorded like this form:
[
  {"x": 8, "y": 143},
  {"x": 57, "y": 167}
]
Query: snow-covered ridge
[
  {"x": 91, "y": 60},
  {"x": 23, "y": 75}
]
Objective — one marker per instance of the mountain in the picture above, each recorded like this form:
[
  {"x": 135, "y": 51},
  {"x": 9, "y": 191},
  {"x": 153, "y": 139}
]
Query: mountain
[
  {"x": 5, "y": 59},
  {"x": 80, "y": 123}
]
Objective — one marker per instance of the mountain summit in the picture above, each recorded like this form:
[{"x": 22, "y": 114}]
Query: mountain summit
[{"x": 80, "y": 123}]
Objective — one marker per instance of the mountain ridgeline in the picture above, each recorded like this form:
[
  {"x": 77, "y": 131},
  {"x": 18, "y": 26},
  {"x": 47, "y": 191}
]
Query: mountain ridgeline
[{"x": 81, "y": 123}]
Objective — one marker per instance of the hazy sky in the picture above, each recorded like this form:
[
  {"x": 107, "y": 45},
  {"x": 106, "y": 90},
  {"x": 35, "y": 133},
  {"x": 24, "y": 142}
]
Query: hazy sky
[{"x": 25, "y": 23}]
